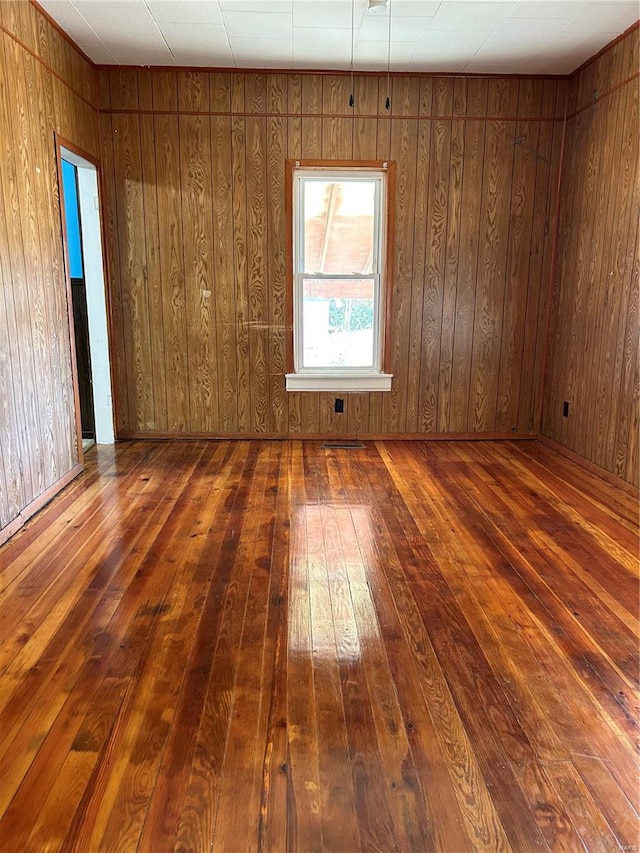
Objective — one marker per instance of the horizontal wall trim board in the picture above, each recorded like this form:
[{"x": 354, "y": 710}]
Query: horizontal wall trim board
[
  {"x": 324, "y": 72},
  {"x": 48, "y": 67},
  {"x": 604, "y": 95},
  {"x": 358, "y": 116},
  {"x": 10, "y": 529},
  {"x": 41, "y": 501},
  {"x": 629, "y": 488},
  {"x": 56, "y": 26},
  {"x": 330, "y": 436}
]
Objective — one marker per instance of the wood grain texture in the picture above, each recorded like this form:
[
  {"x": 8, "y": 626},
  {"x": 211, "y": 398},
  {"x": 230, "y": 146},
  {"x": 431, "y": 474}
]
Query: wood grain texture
[
  {"x": 135, "y": 308},
  {"x": 593, "y": 345},
  {"x": 200, "y": 283},
  {"x": 258, "y": 645},
  {"x": 240, "y": 236},
  {"x": 467, "y": 260},
  {"x": 492, "y": 258},
  {"x": 157, "y": 341},
  {"x": 405, "y": 95},
  {"x": 540, "y": 260},
  {"x": 110, "y": 230},
  {"x": 466, "y": 324},
  {"x": 172, "y": 269},
  {"x": 222, "y": 193},
  {"x": 45, "y": 88},
  {"x": 257, "y": 271}
]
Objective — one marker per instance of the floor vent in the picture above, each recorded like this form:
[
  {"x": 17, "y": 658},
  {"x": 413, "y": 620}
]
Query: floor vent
[{"x": 342, "y": 445}]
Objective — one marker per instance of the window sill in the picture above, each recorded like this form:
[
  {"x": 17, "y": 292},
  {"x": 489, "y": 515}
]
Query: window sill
[{"x": 338, "y": 382}]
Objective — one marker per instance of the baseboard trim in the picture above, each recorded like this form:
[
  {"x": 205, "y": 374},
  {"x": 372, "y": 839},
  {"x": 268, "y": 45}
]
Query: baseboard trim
[
  {"x": 25, "y": 514},
  {"x": 15, "y": 524},
  {"x": 328, "y": 436},
  {"x": 590, "y": 466},
  {"x": 9, "y": 529}
]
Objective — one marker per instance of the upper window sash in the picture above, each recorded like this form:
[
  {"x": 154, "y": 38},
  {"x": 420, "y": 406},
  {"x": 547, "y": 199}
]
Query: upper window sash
[{"x": 321, "y": 175}]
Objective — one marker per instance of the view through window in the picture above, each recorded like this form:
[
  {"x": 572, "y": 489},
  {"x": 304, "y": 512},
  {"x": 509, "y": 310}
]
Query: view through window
[{"x": 339, "y": 239}]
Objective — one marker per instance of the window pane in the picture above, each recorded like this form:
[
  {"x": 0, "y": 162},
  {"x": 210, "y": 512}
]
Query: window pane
[
  {"x": 338, "y": 226},
  {"x": 338, "y": 318}
]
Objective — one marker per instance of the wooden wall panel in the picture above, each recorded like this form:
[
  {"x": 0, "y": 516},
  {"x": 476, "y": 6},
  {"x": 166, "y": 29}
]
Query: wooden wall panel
[
  {"x": 310, "y": 147},
  {"x": 471, "y": 201},
  {"x": 171, "y": 269},
  {"x": 242, "y": 388},
  {"x": 511, "y": 379},
  {"x": 157, "y": 340},
  {"x": 276, "y": 261},
  {"x": 592, "y": 360},
  {"x": 200, "y": 285},
  {"x": 435, "y": 237},
  {"x": 127, "y": 145},
  {"x": 15, "y": 481},
  {"x": 540, "y": 252},
  {"x": 222, "y": 194},
  {"x": 452, "y": 253},
  {"x": 419, "y": 348},
  {"x": 495, "y": 228},
  {"x": 294, "y": 150},
  {"x": 46, "y": 87},
  {"x": 257, "y": 273},
  {"x": 110, "y": 229},
  {"x": 473, "y": 165},
  {"x": 404, "y": 136}
]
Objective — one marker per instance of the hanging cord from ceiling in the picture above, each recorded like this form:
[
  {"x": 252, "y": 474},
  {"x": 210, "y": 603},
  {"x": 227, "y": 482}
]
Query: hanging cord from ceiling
[
  {"x": 353, "y": 27},
  {"x": 387, "y": 103}
]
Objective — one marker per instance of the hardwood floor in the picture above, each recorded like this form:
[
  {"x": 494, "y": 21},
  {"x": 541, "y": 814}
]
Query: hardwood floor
[{"x": 239, "y": 646}]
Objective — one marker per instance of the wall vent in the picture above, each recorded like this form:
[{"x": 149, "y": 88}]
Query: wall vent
[{"x": 342, "y": 445}]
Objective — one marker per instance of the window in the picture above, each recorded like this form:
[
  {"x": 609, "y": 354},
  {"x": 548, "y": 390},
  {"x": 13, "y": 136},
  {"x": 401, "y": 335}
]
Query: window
[{"x": 340, "y": 244}]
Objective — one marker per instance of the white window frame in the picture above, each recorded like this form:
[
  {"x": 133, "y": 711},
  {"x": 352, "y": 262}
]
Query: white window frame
[{"x": 340, "y": 378}]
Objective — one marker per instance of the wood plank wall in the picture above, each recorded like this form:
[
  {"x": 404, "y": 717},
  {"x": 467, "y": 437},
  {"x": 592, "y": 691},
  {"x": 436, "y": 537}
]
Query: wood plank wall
[
  {"x": 593, "y": 345},
  {"x": 194, "y": 180},
  {"x": 45, "y": 86}
]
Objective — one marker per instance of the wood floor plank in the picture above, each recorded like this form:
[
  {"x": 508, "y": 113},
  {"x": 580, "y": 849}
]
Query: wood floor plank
[
  {"x": 339, "y": 824},
  {"x": 63, "y": 653},
  {"x": 537, "y": 613},
  {"x": 616, "y": 808},
  {"x": 201, "y": 718},
  {"x": 404, "y": 791},
  {"x": 275, "y": 645},
  {"x": 372, "y": 805},
  {"x": 301, "y": 764},
  {"x": 453, "y": 629},
  {"x": 275, "y": 822},
  {"x": 115, "y": 657},
  {"x": 152, "y": 705},
  {"x": 521, "y": 668},
  {"x": 24, "y": 547},
  {"x": 237, "y": 812}
]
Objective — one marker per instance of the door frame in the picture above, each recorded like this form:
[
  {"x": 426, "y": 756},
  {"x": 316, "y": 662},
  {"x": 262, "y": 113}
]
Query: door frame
[{"x": 60, "y": 144}]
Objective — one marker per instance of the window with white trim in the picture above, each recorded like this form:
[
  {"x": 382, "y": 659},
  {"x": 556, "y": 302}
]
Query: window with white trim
[{"x": 339, "y": 275}]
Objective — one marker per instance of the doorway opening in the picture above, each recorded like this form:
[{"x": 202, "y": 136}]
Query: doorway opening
[{"x": 83, "y": 242}]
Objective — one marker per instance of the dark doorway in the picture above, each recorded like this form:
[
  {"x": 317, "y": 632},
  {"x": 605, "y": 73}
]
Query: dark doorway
[{"x": 79, "y": 297}]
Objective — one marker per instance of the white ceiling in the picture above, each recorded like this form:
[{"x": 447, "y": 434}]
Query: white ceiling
[{"x": 501, "y": 36}]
